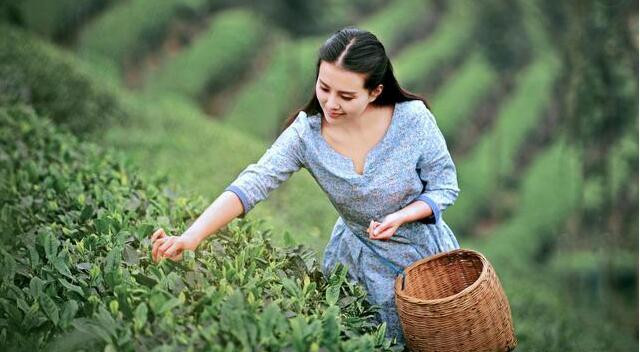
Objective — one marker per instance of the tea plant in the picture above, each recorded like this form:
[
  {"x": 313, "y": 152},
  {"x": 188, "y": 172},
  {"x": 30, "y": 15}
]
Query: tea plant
[{"x": 77, "y": 273}]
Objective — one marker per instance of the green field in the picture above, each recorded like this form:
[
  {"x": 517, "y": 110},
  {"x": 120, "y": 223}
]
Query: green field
[{"x": 545, "y": 149}]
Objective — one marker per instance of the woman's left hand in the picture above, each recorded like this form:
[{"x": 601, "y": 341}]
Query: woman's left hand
[{"x": 385, "y": 229}]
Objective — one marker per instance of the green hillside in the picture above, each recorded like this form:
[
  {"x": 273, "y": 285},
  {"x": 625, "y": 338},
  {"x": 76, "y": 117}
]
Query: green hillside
[{"x": 537, "y": 100}]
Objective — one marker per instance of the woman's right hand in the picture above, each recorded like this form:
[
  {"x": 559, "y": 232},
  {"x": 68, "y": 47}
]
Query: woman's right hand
[
  {"x": 170, "y": 247},
  {"x": 372, "y": 226}
]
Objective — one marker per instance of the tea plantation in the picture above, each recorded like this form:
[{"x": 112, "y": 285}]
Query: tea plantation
[
  {"x": 77, "y": 273},
  {"x": 120, "y": 117}
]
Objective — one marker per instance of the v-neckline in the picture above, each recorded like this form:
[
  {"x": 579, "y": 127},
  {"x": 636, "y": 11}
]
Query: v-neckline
[{"x": 369, "y": 153}]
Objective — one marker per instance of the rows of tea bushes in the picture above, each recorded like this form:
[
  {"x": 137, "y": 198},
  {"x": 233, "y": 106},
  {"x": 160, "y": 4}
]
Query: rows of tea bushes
[
  {"x": 619, "y": 170},
  {"x": 55, "y": 83},
  {"x": 549, "y": 315},
  {"x": 131, "y": 28},
  {"x": 414, "y": 64},
  {"x": 77, "y": 274},
  {"x": 493, "y": 158},
  {"x": 217, "y": 56},
  {"x": 56, "y": 19},
  {"x": 597, "y": 264},
  {"x": 399, "y": 20},
  {"x": 262, "y": 102},
  {"x": 474, "y": 81},
  {"x": 159, "y": 135}
]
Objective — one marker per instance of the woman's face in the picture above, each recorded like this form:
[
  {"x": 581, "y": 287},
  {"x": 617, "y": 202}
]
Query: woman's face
[{"x": 341, "y": 91}]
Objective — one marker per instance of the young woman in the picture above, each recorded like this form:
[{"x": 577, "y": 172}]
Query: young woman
[{"x": 376, "y": 151}]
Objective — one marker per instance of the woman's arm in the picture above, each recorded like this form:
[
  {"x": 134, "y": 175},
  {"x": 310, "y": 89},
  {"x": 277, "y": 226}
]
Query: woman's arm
[
  {"x": 252, "y": 185},
  {"x": 224, "y": 209},
  {"x": 436, "y": 170},
  {"x": 415, "y": 211}
]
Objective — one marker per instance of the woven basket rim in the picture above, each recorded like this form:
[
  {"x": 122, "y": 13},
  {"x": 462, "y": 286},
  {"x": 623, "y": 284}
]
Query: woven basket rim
[{"x": 485, "y": 268}]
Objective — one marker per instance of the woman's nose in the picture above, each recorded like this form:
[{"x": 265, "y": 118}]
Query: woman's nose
[{"x": 332, "y": 104}]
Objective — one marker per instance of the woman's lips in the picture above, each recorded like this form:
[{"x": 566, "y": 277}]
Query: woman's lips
[{"x": 334, "y": 114}]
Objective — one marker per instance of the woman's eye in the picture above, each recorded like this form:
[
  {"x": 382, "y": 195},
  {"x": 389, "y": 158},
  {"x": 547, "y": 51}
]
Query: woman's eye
[{"x": 326, "y": 90}]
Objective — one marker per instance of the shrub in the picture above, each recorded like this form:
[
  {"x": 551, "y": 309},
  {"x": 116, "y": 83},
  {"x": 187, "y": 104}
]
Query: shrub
[{"x": 77, "y": 274}]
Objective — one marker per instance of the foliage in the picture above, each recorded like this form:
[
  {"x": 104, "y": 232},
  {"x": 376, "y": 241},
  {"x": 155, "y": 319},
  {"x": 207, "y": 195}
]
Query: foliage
[
  {"x": 54, "y": 82},
  {"x": 57, "y": 20},
  {"x": 451, "y": 38},
  {"x": 505, "y": 42},
  {"x": 79, "y": 275},
  {"x": 601, "y": 105},
  {"x": 217, "y": 56}
]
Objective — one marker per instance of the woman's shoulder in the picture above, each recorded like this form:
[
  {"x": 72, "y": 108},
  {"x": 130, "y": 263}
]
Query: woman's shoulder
[
  {"x": 419, "y": 121},
  {"x": 306, "y": 122},
  {"x": 415, "y": 114},
  {"x": 416, "y": 109},
  {"x": 301, "y": 123}
]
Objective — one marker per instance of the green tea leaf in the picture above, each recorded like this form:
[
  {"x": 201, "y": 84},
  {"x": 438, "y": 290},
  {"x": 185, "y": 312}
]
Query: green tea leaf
[
  {"x": 291, "y": 287},
  {"x": 51, "y": 244},
  {"x": 34, "y": 257},
  {"x": 35, "y": 286},
  {"x": 130, "y": 255},
  {"x": 140, "y": 316},
  {"x": 71, "y": 287},
  {"x": 86, "y": 213},
  {"x": 68, "y": 312},
  {"x": 49, "y": 307},
  {"x": 331, "y": 328},
  {"x": 112, "y": 260},
  {"x": 380, "y": 334},
  {"x": 271, "y": 323},
  {"x": 332, "y": 294},
  {"x": 62, "y": 267},
  {"x": 8, "y": 267},
  {"x": 33, "y": 317}
]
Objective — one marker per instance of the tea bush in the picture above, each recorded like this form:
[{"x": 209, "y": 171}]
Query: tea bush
[
  {"x": 54, "y": 82},
  {"x": 140, "y": 126},
  {"x": 77, "y": 274}
]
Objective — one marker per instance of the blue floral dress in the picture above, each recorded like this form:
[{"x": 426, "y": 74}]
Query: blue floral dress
[{"x": 410, "y": 163}]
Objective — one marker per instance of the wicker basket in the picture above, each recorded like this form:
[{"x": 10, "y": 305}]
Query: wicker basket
[{"x": 453, "y": 301}]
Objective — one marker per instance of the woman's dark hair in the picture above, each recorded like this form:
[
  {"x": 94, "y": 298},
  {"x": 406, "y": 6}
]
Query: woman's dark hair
[{"x": 359, "y": 51}]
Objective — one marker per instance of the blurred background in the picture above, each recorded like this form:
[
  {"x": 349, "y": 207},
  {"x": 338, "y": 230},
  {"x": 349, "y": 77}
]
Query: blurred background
[{"x": 538, "y": 102}]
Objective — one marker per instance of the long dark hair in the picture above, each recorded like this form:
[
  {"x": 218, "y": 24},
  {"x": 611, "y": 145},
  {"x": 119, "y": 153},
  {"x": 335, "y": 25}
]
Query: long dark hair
[{"x": 359, "y": 51}]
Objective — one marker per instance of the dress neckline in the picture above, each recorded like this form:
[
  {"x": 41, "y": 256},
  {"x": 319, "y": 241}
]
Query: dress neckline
[{"x": 371, "y": 151}]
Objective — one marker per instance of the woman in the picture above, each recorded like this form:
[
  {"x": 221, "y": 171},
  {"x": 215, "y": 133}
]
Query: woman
[{"x": 376, "y": 151}]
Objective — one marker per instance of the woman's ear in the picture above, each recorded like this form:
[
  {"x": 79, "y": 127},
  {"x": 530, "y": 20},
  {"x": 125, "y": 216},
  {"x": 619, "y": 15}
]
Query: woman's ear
[{"x": 375, "y": 93}]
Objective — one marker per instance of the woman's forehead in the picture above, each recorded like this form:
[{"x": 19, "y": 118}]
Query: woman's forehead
[{"x": 340, "y": 79}]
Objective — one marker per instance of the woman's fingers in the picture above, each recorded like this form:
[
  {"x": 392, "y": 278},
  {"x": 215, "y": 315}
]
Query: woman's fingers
[
  {"x": 159, "y": 233},
  {"x": 385, "y": 235},
  {"x": 156, "y": 245},
  {"x": 163, "y": 248},
  {"x": 157, "y": 239},
  {"x": 173, "y": 250},
  {"x": 372, "y": 226},
  {"x": 380, "y": 228}
]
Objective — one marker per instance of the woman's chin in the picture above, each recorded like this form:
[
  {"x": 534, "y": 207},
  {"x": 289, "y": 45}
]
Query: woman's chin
[{"x": 334, "y": 118}]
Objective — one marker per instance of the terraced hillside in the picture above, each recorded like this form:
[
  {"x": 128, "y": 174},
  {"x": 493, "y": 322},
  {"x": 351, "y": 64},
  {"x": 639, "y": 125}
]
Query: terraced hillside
[{"x": 545, "y": 147}]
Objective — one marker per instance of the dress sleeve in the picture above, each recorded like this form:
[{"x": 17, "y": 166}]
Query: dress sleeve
[
  {"x": 436, "y": 169},
  {"x": 277, "y": 164}
]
